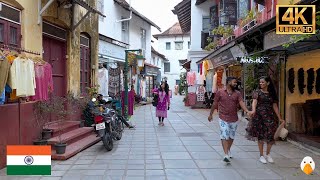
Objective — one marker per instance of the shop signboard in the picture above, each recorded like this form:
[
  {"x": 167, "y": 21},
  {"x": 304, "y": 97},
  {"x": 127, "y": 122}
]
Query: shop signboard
[
  {"x": 151, "y": 71},
  {"x": 223, "y": 58},
  {"x": 111, "y": 50},
  {"x": 250, "y": 60}
]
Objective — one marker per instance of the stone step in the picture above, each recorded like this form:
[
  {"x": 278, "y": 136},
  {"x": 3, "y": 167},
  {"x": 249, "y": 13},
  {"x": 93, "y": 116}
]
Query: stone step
[
  {"x": 66, "y": 126},
  {"x": 72, "y": 136},
  {"x": 76, "y": 147}
]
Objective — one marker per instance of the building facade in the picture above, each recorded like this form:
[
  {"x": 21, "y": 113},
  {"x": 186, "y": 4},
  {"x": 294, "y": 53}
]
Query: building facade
[
  {"x": 60, "y": 33},
  {"x": 174, "y": 44},
  {"x": 124, "y": 29}
]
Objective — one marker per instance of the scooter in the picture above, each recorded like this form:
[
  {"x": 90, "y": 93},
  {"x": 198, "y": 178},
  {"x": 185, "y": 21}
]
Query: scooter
[{"x": 106, "y": 125}]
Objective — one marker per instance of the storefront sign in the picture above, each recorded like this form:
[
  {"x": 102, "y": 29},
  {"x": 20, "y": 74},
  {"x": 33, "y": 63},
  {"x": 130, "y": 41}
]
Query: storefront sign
[
  {"x": 147, "y": 70},
  {"x": 224, "y": 58},
  {"x": 111, "y": 50},
  {"x": 249, "y": 60},
  {"x": 238, "y": 50},
  {"x": 272, "y": 40}
]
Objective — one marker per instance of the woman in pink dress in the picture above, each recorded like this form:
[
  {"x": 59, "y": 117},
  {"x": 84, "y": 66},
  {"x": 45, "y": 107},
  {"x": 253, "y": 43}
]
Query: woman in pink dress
[{"x": 163, "y": 102}]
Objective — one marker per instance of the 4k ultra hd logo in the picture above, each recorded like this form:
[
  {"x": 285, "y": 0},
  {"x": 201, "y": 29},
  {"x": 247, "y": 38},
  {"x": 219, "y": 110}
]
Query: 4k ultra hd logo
[{"x": 296, "y": 19}]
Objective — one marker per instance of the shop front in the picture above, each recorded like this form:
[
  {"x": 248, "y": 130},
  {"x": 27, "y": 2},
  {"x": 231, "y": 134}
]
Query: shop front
[
  {"x": 111, "y": 63},
  {"x": 148, "y": 80}
]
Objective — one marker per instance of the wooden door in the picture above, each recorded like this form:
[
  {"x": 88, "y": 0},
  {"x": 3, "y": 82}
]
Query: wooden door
[{"x": 54, "y": 52}]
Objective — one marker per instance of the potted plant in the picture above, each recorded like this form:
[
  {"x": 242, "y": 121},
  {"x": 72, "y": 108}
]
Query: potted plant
[
  {"x": 59, "y": 110},
  {"x": 41, "y": 111}
]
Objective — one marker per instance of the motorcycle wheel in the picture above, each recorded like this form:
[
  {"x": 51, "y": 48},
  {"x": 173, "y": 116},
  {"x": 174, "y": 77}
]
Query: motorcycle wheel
[
  {"x": 107, "y": 142},
  {"x": 119, "y": 130}
]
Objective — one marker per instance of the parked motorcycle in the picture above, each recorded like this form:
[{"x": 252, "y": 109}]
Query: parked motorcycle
[{"x": 107, "y": 125}]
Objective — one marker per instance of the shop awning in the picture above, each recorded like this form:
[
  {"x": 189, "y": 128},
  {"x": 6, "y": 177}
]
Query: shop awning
[
  {"x": 183, "y": 11},
  {"x": 187, "y": 65},
  {"x": 104, "y": 58}
]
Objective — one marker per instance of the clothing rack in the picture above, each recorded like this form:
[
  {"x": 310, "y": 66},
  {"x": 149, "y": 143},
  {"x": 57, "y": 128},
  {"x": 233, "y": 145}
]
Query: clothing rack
[{"x": 7, "y": 47}]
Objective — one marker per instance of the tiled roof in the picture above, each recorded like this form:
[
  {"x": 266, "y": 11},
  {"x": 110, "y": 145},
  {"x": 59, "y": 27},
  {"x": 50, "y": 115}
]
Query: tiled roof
[
  {"x": 173, "y": 30},
  {"x": 125, "y": 5}
]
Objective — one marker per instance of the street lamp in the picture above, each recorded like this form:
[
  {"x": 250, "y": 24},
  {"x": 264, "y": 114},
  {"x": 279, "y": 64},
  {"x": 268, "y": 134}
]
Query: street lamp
[{"x": 140, "y": 60}]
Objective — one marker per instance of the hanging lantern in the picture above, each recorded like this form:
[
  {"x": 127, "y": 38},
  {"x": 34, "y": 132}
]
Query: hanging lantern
[{"x": 140, "y": 60}]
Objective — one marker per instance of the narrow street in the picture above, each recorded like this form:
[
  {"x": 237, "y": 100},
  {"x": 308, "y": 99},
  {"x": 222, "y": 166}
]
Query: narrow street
[{"x": 187, "y": 147}]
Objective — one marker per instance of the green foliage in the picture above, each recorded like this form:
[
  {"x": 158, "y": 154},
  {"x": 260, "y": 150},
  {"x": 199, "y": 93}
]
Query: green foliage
[
  {"x": 212, "y": 44},
  {"x": 183, "y": 83},
  {"x": 296, "y": 38}
]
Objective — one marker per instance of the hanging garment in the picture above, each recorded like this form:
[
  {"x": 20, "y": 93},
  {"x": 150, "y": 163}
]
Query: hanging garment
[
  {"x": 200, "y": 94},
  {"x": 22, "y": 77},
  {"x": 130, "y": 102},
  {"x": 3, "y": 96},
  {"x": 224, "y": 79},
  {"x": 200, "y": 79},
  {"x": 209, "y": 81},
  {"x": 205, "y": 67},
  {"x": 214, "y": 83},
  {"x": 219, "y": 79},
  {"x": 201, "y": 68},
  {"x": 192, "y": 98},
  {"x": 143, "y": 90},
  {"x": 44, "y": 82},
  {"x": 103, "y": 81},
  {"x": 114, "y": 81},
  {"x": 4, "y": 72},
  {"x": 121, "y": 80},
  {"x": 191, "y": 78}
]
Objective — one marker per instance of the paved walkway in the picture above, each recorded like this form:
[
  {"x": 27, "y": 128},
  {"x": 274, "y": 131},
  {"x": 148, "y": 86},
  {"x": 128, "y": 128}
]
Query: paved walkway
[{"x": 187, "y": 148}]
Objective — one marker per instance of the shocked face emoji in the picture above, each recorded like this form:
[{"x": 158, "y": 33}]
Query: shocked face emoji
[{"x": 307, "y": 165}]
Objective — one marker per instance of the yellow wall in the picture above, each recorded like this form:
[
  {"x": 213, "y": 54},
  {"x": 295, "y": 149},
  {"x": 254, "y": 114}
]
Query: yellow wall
[
  {"x": 306, "y": 61},
  {"x": 32, "y": 34}
]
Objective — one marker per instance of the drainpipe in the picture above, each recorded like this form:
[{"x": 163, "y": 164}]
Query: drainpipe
[
  {"x": 43, "y": 9},
  {"x": 272, "y": 8},
  {"x": 130, "y": 17}
]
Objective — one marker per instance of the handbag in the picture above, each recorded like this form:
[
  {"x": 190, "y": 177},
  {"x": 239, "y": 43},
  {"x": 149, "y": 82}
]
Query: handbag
[
  {"x": 155, "y": 100},
  {"x": 281, "y": 132}
]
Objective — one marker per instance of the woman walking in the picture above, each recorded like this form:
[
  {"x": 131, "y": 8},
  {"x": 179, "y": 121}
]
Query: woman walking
[
  {"x": 265, "y": 118},
  {"x": 163, "y": 102}
]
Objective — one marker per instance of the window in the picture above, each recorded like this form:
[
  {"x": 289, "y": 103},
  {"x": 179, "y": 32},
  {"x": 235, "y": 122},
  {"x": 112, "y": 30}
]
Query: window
[
  {"x": 101, "y": 9},
  {"x": 179, "y": 45},
  {"x": 143, "y": 39},
  {"x": 166, "y": 67},
  {"x": 10, "y": 28},
  {"x": 85, "y": 64},
  {"x": 168, "y": 45},
  {"x": 158, "y": 61},
  {"x": 125, "y": 31},
  {"x": 189, "y": 44},
  {"x": 206, "y": 24}
]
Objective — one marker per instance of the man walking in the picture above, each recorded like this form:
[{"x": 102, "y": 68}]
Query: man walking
[{"x": 227, "y": 102}]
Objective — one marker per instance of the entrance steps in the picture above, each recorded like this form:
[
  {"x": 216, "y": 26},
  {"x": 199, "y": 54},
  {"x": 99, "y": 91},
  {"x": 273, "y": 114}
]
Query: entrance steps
[{"x": 77, "y": 138}]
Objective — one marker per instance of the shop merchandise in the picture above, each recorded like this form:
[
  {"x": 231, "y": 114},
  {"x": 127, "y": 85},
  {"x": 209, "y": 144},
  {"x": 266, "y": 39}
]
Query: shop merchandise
[
  {"x": 114, "y": 81},
  {"x": 130, "y": 102},
  {"x": 200, "y": 93},
  {"x": 192, "y": 98},
  {"x": 44, "y": 81},
  {"x": 214, "y": 83},
  {"x": 22, "y": 77},
  {"x": 191, "y": 78},
  {"x": 4, "y": 71},
  {"x": 224, "y": 79},
  {"x": 209, "y": 81},
  {"x": 103, "y": 81},
  {"x": 205, "y": 67}
]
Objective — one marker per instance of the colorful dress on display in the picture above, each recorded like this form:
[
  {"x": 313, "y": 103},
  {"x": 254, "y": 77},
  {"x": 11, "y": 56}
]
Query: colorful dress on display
[
  {"x": 44, "y": 81},
  {"x": 114, "y": 81},
  {"x": 163, "y": 100}
]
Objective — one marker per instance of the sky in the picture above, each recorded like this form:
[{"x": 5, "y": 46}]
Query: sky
[{"x": 158, "y": 11}]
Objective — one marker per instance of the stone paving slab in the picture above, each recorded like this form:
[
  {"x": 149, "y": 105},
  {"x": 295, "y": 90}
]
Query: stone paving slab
[{"x": 187, "y": 148}]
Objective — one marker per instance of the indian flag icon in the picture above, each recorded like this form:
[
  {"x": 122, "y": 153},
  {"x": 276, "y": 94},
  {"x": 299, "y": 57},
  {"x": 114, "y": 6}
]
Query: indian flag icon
[{"x": 28, "y": 160}]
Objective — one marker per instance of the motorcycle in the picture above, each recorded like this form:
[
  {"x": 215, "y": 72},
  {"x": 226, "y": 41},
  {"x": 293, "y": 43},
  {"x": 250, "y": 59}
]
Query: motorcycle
[{"x": 106, "y": 125}]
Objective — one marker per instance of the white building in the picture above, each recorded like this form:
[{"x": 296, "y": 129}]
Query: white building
[
  {"x": 124, "y": 28},
  {"x": 199, "y": 12},
  {"x": 174, "y": 44},
  {"x": 158, "y": 60}
]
